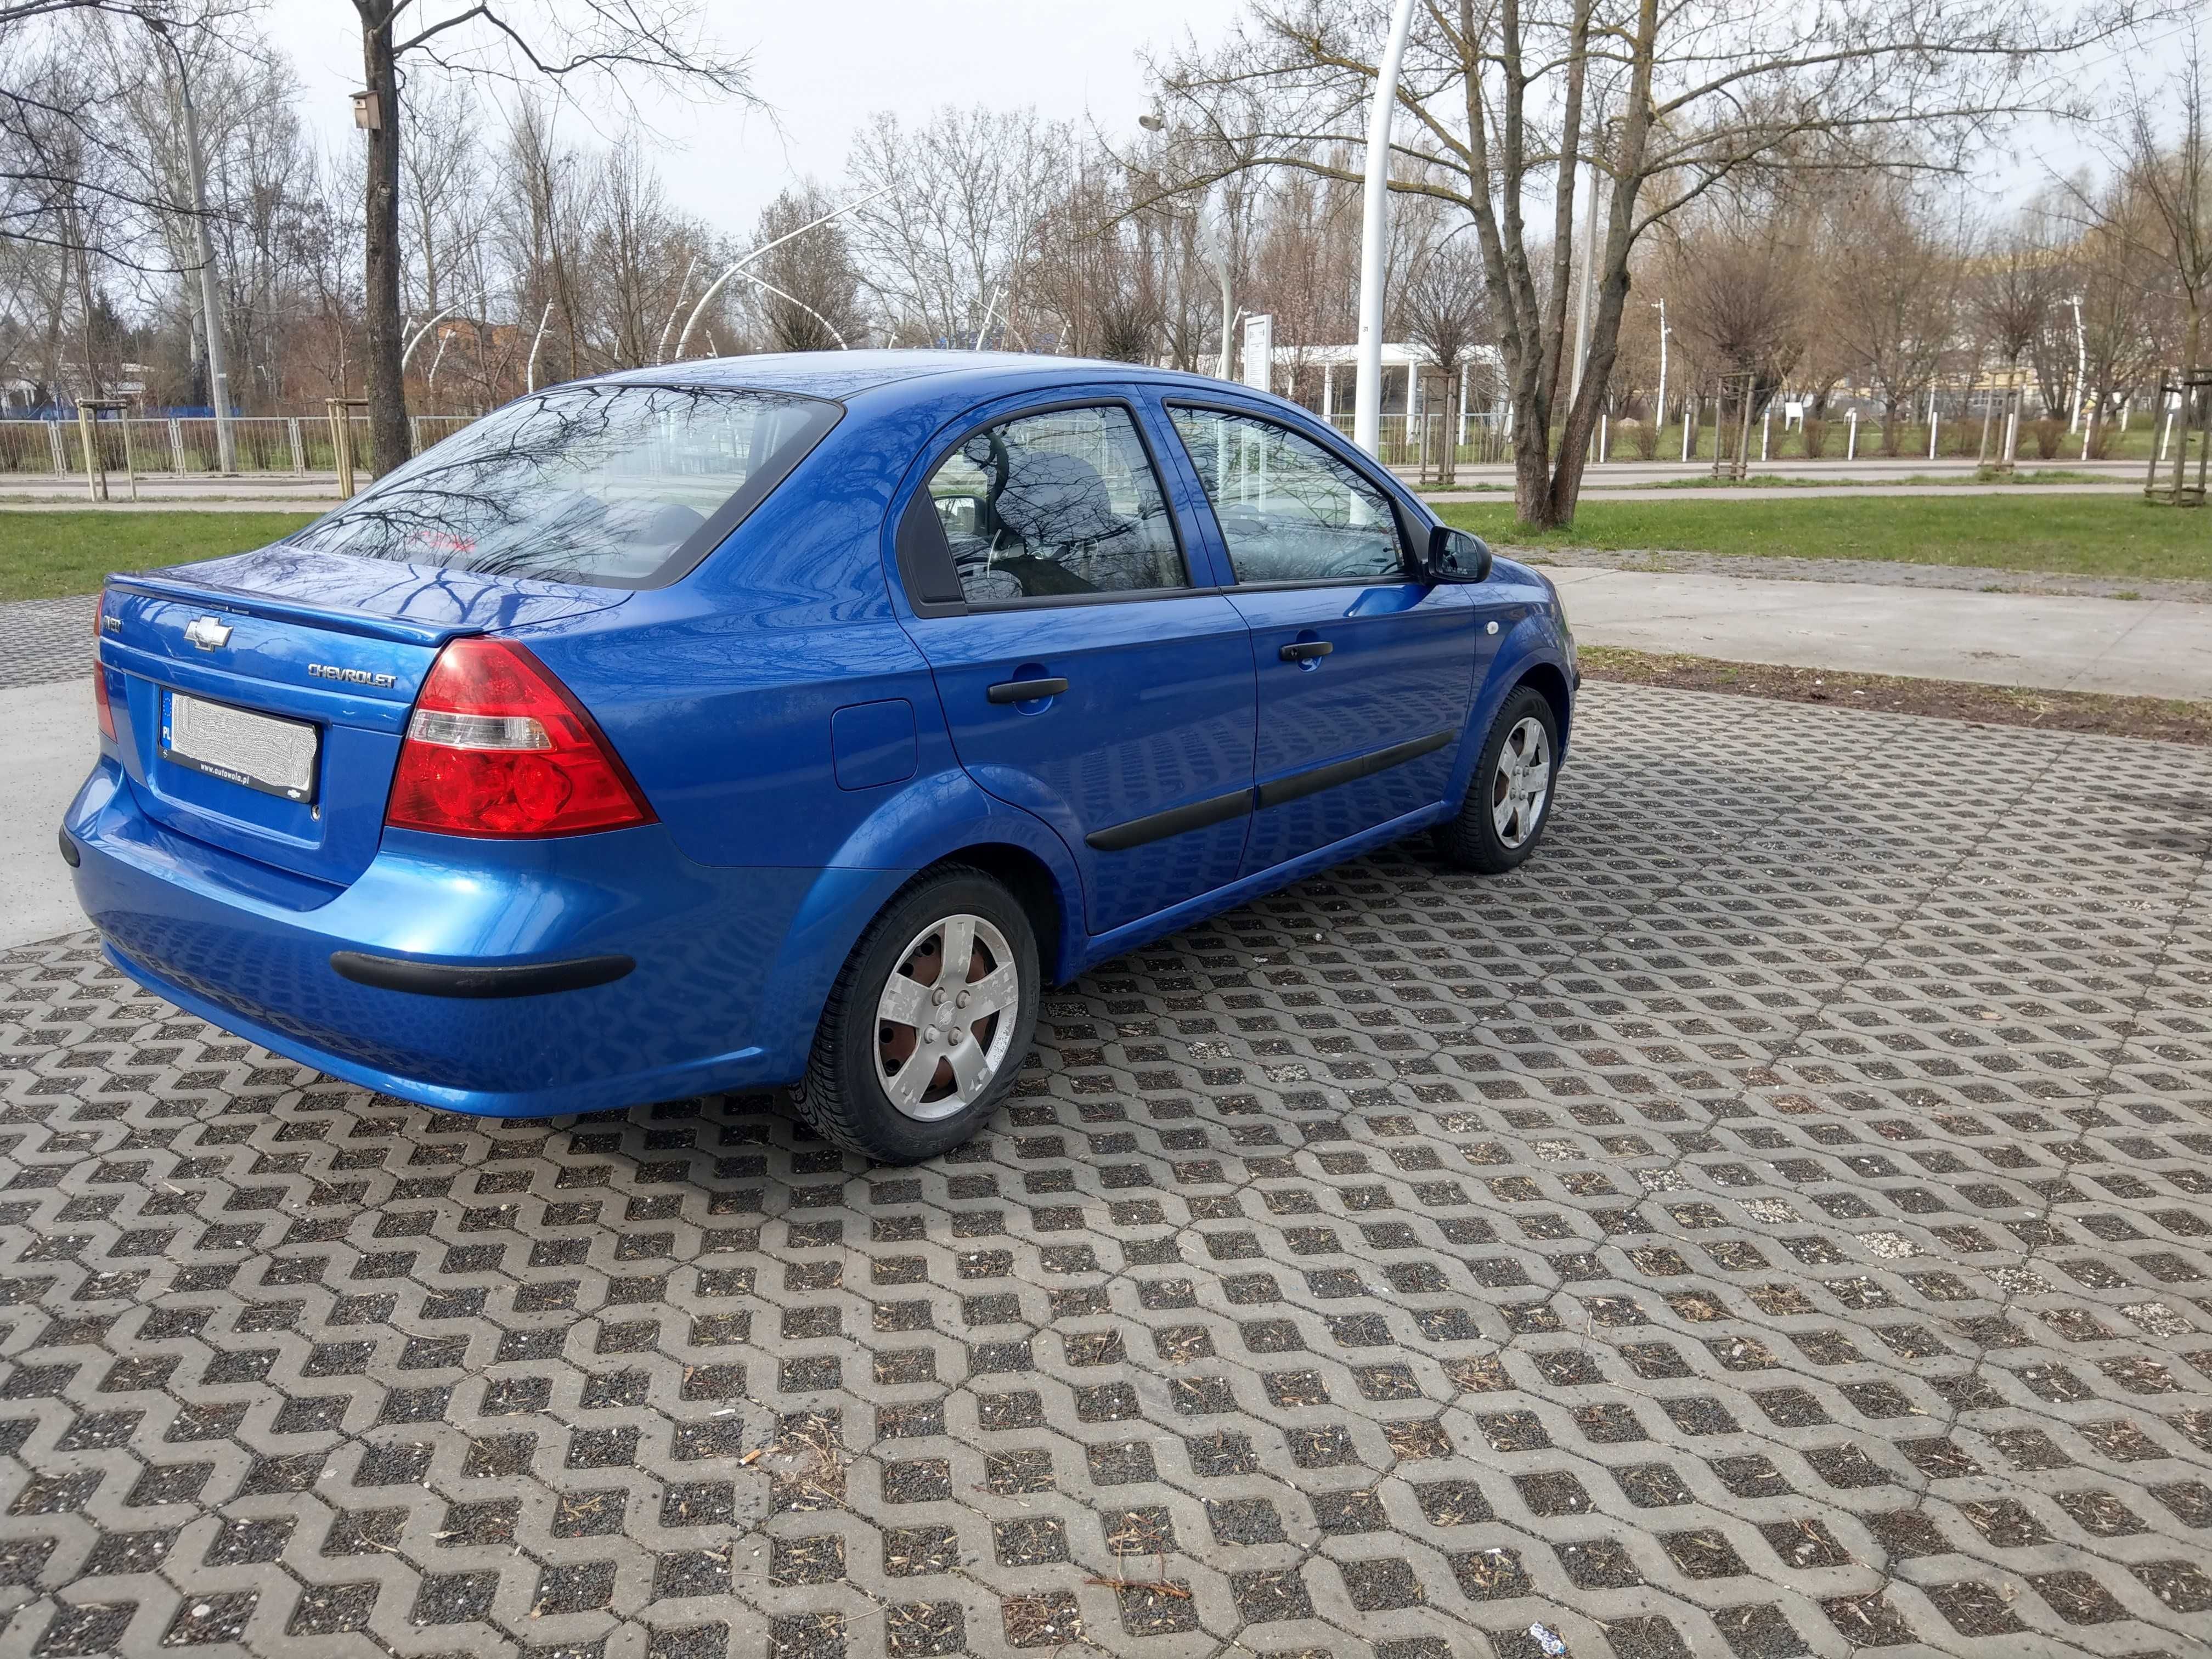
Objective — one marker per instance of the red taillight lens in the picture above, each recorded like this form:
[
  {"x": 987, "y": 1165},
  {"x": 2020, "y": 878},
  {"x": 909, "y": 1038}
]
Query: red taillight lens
[
  {"x": 99, "y": 673},
  {"x": 497, "y": 746}
]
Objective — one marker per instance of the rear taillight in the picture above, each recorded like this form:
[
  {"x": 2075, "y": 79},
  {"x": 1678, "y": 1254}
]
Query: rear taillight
[
  {"x": 497, "y": 746},
  {"x": 99, "y": 673}
]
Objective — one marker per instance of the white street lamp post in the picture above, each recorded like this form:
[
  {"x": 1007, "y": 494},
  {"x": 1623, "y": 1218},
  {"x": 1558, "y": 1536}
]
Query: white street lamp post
[
  {"x": 2081, "y": 364},
  {"x": 1374, "y": 236},
  {"x": 210, "y": 302},
  {"x": 1659, "y": 417}
]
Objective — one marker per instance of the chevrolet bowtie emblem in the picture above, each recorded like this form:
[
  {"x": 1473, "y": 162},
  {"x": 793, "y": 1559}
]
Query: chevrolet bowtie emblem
[{"x": 207, "y": 632}]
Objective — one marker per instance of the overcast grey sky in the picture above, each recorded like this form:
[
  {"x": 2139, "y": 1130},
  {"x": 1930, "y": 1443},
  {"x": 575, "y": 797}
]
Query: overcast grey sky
[{"x": 825, "y": 67}]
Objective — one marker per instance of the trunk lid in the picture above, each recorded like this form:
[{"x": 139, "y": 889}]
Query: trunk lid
[{"x": 264, "y": 695}]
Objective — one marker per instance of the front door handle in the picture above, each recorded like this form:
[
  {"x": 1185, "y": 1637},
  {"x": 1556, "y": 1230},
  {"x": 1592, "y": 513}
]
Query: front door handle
[
  {"x": 1299, "y": 650},
  {"x": 1026, "y": 690}
]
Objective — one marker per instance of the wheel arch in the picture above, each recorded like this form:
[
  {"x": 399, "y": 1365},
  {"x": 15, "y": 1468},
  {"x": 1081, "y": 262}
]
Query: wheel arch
[
  {"x": 1551, "y": 679},
  {"x": 1035, "y": 888}
]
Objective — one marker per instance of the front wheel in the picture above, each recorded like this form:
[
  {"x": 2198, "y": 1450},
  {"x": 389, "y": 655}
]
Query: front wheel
[
  {"x": 926, "y": 1026},
  {"x": 1509, "y": 798}
]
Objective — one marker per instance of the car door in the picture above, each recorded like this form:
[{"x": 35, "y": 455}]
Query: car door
[
  {"x": 1085, "y": 675},
  {"x": 1364, "y": 674}
]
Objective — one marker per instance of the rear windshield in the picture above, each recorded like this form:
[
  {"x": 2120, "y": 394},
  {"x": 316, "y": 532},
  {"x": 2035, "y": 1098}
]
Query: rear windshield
[{"x": 608, "y": 486}]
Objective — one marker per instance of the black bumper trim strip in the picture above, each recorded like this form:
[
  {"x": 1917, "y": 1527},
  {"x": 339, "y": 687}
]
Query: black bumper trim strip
[
  {"x": 1301, "y": 784},
  {"x": 439, "y": 979},
  {"x": 1218, "y": 809}
]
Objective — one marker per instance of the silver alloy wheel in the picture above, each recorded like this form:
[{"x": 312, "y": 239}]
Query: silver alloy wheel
[
  {"x": 947, "y": 1017},
  {"x": 1523, "y": 783}
]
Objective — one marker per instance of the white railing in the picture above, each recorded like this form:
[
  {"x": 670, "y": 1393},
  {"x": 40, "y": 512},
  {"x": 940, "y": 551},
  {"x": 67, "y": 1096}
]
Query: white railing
[
  {"x": 185, "y": 446},
  {"x": 1418, "y": 440}
]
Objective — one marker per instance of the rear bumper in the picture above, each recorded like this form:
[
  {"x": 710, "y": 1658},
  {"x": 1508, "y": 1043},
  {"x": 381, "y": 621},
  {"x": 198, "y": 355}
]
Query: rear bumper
[{"x": 481, "y": 977}]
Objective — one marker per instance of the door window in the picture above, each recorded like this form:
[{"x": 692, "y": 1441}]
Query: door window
[
  {"x": 1289, "y": 510},
  {"x": 1053, "y": 505}
]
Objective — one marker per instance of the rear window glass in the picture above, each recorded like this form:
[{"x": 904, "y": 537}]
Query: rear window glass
[{"x": 607, "y": 486}]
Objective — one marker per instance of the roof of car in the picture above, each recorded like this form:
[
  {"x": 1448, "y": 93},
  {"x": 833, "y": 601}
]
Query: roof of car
[{"x": 841, "y": 374}]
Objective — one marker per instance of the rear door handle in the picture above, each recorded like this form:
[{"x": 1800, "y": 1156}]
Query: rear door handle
[
  {"x": 1026, "y": 690},
  {"x": 1299, "y": 650}
]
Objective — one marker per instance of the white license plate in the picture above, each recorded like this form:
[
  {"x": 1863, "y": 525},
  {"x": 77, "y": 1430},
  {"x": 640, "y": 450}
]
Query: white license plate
[{"x": 276, "y": 757}]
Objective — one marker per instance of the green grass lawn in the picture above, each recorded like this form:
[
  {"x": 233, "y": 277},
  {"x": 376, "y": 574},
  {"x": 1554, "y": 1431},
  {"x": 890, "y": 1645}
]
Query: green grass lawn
[
  {"x": 45, "y": 554},
  {"x": 2074, "y": 535}
]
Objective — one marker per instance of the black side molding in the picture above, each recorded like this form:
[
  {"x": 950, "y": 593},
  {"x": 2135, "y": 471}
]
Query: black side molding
[
  {"x": 1119, "y": 837},
  {"x": 71, "y": 856},
  {"x": 1359, "y": 766},
  {"x": 438, "y": 979}
]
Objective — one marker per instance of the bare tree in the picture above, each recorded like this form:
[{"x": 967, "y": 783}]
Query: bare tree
[
  {"x": 615, "y": 39},
  {"x": 1892, "y": 299},
  {"x": 1739, "y": 274},
  {"x": 812, "y": 301},
  {"x": 952, "y": 242},
  {"x": 1445, "y": 305},
  {"x": 1506, "y": 104},
  {"x": 2012, "y": 294},
  {"x": 2169, "y": 191}
]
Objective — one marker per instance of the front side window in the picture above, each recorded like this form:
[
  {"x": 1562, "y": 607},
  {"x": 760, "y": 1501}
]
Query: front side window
[
  {"x": 1055, "y": 504},
  {"x": 600, "y": 485},
  {"x": 1290, "y": 511}
]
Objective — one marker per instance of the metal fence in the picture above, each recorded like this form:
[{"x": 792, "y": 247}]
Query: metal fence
[
  {"x": 1418, "y": 440},
  {"x": 186, "y": 447}
]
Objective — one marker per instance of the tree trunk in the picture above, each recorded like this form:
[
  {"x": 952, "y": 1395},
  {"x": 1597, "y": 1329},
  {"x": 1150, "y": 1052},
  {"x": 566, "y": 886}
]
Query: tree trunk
[
  {"x": 387, "y": 392},
  {"x": 1532, "y": 462}
]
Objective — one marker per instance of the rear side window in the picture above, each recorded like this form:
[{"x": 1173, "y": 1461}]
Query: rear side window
[
  {"x": 606, "y": 486},
  {"x": 1290, "y": 511},
  {"x": 1055, "y": 505}
]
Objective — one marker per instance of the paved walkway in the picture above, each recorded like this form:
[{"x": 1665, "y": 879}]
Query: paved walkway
[
  {"x": 2151, "y": 648},
  {"x": 1799, "y": 492},
  {"x": 50, "y": 742},
  {"x": 1869, "y": 573},
  {"x": 1772, "y": 1223}
]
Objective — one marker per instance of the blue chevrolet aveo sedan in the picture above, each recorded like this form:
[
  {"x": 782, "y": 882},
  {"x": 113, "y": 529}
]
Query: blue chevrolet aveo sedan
[{"x": 791, "y": 722}]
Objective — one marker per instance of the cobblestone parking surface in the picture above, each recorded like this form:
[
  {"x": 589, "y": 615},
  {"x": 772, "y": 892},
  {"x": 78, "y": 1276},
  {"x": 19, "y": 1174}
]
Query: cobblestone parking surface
[
  {"x": 1773, "y": 1223},
  {"x": 42, "y": 641}
]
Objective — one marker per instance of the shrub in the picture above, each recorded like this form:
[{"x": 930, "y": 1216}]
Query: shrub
[
  {"x": 1812, "y": 431},
  {"x": 1645, "y": 436},
  {"x": 2049, "y": 432}
]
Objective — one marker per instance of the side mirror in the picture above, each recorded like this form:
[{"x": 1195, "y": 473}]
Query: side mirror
[{"x": 1456, "y": 556}]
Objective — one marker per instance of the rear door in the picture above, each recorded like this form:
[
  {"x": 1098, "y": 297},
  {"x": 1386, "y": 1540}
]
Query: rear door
[
  {"x": 1087, "y": 675},
  {"x": 1364, "y": 675}
]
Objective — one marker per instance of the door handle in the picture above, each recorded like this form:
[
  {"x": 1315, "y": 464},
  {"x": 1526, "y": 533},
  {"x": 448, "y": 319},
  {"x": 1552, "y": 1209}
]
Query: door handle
[
  {"x": 1299, "y": 650},
  {"x": 1026, "y": 690}
]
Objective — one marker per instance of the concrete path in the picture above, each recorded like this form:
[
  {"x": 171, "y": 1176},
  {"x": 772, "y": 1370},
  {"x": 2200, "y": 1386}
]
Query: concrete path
[
  {"x": 1800, "y": 492},
  {"x": 2154, "y": 648},
  {"x": 49, "y": 741}
]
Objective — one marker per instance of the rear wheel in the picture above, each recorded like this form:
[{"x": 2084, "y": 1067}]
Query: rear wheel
[
  {"x": 1509, "y": 798},
  {"x": 928, "y": 1023}
]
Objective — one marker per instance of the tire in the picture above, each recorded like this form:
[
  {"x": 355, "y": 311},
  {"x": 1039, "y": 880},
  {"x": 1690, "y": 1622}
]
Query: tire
[
  {"x": 869, "y": 1085},
  {"x": 1502, "y": 818}
]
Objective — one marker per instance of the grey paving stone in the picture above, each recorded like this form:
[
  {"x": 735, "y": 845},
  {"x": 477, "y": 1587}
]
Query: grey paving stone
[{"x": 1774, "y": 1222}]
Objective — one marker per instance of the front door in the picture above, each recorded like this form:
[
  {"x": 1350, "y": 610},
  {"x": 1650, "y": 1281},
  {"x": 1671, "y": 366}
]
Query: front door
[
  {"x": 1083, "y": 677},
  {"x": 1365, "y": 675}
]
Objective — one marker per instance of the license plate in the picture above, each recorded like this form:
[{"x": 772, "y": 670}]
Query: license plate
[{"x": 276, "y": 757}]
